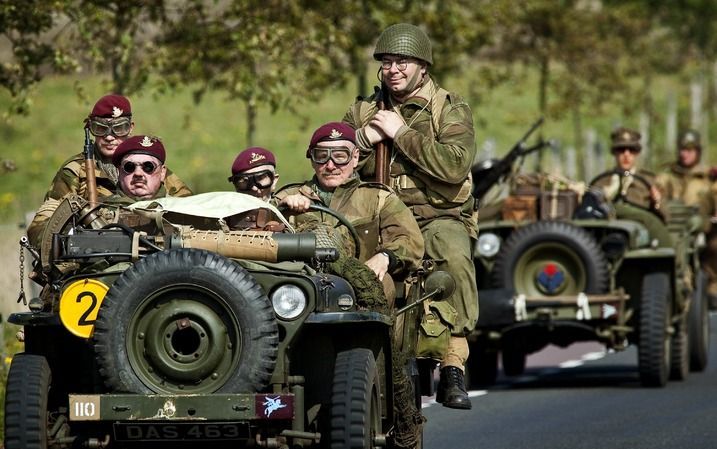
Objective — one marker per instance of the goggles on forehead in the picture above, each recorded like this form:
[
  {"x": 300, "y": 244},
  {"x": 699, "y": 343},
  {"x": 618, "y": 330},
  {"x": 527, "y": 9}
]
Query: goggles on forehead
[
  {"x": 119, "y": 127},
  {"x": 338, "y": 155},
  {"x": 147, "y": 166},
  {"x": 245, "y": 181}
]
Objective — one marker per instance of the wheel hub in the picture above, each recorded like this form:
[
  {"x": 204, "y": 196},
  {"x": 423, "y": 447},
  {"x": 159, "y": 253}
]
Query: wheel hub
[{"x": 550, "y": 279}]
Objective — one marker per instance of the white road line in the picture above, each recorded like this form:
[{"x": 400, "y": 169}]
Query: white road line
[{"x": 597, "y": 355}]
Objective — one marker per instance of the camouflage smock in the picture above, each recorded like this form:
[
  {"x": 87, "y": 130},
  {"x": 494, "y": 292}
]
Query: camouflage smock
[
  {"x": 691, "y": 185},
  {"x": 71, "y": 178},
  {"x": 431, "y": 155},
  {"x": 382, "y": 221}
]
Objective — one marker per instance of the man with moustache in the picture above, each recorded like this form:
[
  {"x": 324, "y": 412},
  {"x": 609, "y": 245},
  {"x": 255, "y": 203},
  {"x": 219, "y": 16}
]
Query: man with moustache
[
  {"x": 429, "y": 132},
  {"x": 139, "y": 161},
  {"x": 110, "y": 122},
  {"x": 390, "y": 241}
]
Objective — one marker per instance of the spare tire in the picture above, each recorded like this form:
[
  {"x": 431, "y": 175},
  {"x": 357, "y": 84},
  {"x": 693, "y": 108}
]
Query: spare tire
[
  {"x": 186, "y": 321},
  {"x": 551, "y": 258}
]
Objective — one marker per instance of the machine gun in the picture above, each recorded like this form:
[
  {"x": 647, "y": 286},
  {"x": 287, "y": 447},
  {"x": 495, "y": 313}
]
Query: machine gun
[{"x": 504, "y": 166}]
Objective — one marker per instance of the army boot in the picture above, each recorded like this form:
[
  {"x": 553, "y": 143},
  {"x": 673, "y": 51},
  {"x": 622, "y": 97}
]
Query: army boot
[{"x": 451, "y": 389}]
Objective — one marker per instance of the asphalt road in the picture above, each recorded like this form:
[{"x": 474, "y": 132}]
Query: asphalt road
[{"x": 582, "y": 398}]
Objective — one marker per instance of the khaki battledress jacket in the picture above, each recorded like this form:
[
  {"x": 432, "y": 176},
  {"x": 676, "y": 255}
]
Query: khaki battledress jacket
[
  {"x": 628, "y": 188},
  {"x": 71, "y": 178},
  {"x": 382, "y": 221}
]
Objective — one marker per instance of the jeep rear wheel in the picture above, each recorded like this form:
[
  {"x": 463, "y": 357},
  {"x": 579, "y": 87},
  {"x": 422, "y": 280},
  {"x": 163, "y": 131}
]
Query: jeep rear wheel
[
  {"x": 654, "y": 339},
  {"x": 26, "y": 402},
  {"x": 186, "y": 321},
  {"x": 551, "y": 258},
  {"x": 698, "y": 324},
  {"x": 355, "y": 403}
]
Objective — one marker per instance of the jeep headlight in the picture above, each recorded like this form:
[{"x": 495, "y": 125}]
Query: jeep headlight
[
  {"x": 289, "y": 301},
  {"x": 488, "y": 245}
]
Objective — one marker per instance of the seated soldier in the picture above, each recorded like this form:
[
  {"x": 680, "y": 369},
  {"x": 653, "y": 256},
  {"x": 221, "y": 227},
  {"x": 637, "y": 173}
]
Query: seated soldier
[
  {"x": 390, "y": 240},
  {"x": 254, "y": 173},
  {"x": 141, "y": 173},
  {"x": 110, "y": 121},
  {"x": 632, "y": 190}
]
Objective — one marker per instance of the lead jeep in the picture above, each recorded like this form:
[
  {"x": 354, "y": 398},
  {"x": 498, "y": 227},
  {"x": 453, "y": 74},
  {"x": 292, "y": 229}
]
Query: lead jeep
[
  {"x": 159, "y": 326},
  {"x": 555, "y": 266}
]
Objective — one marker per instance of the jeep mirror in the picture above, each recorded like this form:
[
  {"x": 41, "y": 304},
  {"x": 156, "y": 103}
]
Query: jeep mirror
[{"x": 440, "y": 285}]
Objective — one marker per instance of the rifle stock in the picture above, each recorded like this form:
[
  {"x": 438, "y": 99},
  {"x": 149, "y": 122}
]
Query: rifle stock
[
  {"x": 505, "y": 165},
  {"x": 383, "y": 164},
  {"x": 90, "y": 177}
]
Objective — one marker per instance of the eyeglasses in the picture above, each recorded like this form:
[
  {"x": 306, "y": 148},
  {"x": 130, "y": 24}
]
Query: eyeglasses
[
  {"x": 147, "y": 166},
  {"x": 246, "y": 181},
  {"x": 119, "y": 127},
  {"x": 401, "y": 64},
  {"x": 620, "y": 150},
  {"x": 338, "y": 155}
]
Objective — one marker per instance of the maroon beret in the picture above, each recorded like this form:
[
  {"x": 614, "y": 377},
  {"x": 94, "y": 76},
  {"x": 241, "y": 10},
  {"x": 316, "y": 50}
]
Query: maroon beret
[
  {"x": 141, "y": 145},
  {"x": 252, "y": 157},
  {"x": 332, "y": 131},
  {"x": 112, "y": 106}
]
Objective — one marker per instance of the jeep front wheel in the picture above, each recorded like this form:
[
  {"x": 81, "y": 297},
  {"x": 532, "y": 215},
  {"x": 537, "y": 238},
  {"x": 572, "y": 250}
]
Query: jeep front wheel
[
  {"x": 355, "y": 403},
  {"x": 654, "y": 339},
  {"x": 186, "y": 321},
  {"x": 551, "y": 258}
]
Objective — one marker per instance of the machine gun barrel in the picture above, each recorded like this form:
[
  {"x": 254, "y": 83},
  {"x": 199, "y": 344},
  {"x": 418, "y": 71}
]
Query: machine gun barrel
[{"x": 505, "y": 165}]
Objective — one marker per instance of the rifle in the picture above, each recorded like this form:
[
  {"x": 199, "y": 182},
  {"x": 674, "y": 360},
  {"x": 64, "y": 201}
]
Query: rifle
[
  {"x": 504, "y": 166},
  {"x": 91, "y": 180},
  {"x": 383, "y": 163}
]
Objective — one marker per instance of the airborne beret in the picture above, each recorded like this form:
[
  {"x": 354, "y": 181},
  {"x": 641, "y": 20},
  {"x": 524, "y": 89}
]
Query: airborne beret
[
  {"x": 252, "y": 157},
  {"x": 112, "y": 106},
  {"x": 330, "y": 132},
  {"x": 139, "y": 145}
]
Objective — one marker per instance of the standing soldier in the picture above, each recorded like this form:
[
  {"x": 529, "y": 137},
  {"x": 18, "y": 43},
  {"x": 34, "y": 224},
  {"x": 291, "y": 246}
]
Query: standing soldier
[
  {"x": 688, "y": 180},
  {"x": 110, "y": 121},
  {"x": 431, "y": 146}
]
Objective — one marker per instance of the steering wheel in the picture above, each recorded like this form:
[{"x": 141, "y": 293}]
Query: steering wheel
[
  {"x": 343, "y": 221},
  {"x": 639, "y": 178}
]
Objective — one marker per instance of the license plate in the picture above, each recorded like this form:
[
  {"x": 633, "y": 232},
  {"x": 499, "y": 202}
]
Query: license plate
[{"x": 181, "y": 431}]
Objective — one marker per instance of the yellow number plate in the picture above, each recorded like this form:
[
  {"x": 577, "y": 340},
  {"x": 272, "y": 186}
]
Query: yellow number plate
[{"x": 79, "y": 305}]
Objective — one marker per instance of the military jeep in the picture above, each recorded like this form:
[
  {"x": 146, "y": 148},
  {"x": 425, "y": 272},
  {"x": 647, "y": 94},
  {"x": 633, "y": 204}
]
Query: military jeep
[
  {"x": 556, "y": 266},
  {"x": 159, "y": 326}
]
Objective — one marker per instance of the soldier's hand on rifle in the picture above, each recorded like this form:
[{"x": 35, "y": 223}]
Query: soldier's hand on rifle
[
  {"x": 374, "y": 134},
  {"x": 388, "y": 122},
  {"x": 296, "y": 203},
  {"x": 379, "y": 265},
  {"x": 656, "y": 196}
]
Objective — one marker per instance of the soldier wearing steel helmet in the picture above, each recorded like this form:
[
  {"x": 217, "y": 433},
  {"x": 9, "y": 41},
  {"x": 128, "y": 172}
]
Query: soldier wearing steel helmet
[
  {"x": 688, "y": 180},
  {"x": 432, "y": 146}
]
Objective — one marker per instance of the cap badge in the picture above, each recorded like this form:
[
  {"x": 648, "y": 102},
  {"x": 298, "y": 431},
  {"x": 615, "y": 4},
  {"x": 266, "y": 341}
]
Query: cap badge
[
  {"x": 256, "y": 157},
  {"x": 626, "y": 135},
  {"x": 116, "y": 112},
  {"x": 146, "y": 142},
  {"x": 335, "y": 134}
]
